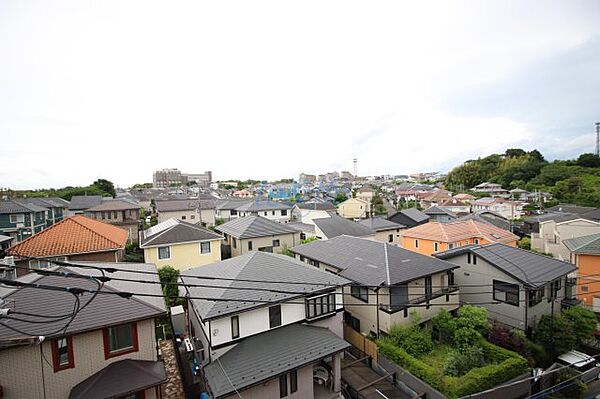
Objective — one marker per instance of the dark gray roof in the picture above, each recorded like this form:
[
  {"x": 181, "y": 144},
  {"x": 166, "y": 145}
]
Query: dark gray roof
[
  {"x": 488, "y": 217},
  {"x": 436, "y": 210},
  {"x": 83, "y": 202},
  {"x": 183, "y": 204},
  {"x": 556, "y": 216},
  {"x": 267, "y": 355},
  {"x": 303, "y": 227},
  {"x": 336, "y": 225},
  {"x": 371, "y": 262},
  {"x": 255, "y": 206},
  {"x": 589, "y": 244},
  {"x": 255, "y": 266},
  {"x": 528, "y": 267},
  {"x": 104, "y": 310},
  {"x": 570, "y": 208},
  {"x": 381, "y": 224},
  {"x": 415, "y": 214},
  {"x": 592, "y": 215},
  {"x": 320, "y": 206},
  {"x": 10, "y": 206},
  {"x": 113, "y": 205},
  {"x": 46, "y": 202},
  {"x": 176, "y": 232},
  {"x": 254, "y": 226},
  {"x": 230, "y": 203},
  {"x": 120, "y": 379}
]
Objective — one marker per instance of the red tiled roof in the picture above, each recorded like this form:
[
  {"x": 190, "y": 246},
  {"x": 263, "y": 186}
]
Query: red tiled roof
[
  {"x": 73, "y": 235},
  {"x": 462, "y": 230}
]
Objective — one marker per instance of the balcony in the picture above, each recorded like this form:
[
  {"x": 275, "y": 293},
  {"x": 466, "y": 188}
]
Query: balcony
[{"x": 423, "y": 299}]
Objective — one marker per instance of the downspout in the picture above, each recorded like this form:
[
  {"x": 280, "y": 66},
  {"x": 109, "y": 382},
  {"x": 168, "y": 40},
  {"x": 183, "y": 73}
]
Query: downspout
[
  {"x": 42, "y": 364},
  {"x": 526, "y": 307}
]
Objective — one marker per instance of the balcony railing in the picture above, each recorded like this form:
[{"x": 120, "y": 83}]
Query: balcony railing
[{"x": 423, "y": 299}]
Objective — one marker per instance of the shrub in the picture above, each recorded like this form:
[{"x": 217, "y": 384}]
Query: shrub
[
  {"x": 555, "y": 332},
  {"x": 584, "y": 322},
  {"x": 473, "y": 317},
  {"x": 525, "y": 243},
  {"x": 466, "y": 337},
  {"x": 445, "y": 325},
  {"x": 461, "y": 361},
  {"x": 414, "y": 340}
]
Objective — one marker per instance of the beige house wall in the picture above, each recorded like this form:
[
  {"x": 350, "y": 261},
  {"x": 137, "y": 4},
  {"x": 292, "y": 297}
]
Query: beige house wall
[
  {"x": 185, "y": 256},
  {"x": 206, "y": 216},
  {"x": 270, "y": 389},
  {"x": 354, "y": 208},
  {"x": 24, "y": 371},
  {"x": 290, "y": 240}
]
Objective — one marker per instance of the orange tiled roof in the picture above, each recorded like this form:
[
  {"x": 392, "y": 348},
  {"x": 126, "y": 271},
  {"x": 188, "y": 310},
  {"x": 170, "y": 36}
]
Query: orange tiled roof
[
  {"x": 461, "y": 230},
  {"x": 73, "y": 235}
]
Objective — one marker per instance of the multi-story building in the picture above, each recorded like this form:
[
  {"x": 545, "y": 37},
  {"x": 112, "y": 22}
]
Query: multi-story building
[
  {"x": 295, "y": 331},
  {"x": 56, "y": 207},
  {"x": 585, "y": 255},
  {"x": 123, "y": 214},
  {"x": 193, "y": 210},
  {"x": 21, "y": 220},
  {"x": 201, "y": 179},
  {"x": 503, "y": 207},
  {"x": 272, "y": 210},
  {"x": 168, "y": 178}
]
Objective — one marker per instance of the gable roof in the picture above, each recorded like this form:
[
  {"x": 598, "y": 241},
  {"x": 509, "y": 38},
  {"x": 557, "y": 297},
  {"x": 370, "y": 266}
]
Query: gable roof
[
  {"x": 113, "y": 205},
  {"x": 10, "y": 206},
  {"x": 230, "y": 203},
  {"x": 174, "y": 231},
  {"x": 255, "y": 266},
  {"x": 254, "y": 226},
  {"x": 371, "y": 262},
  {"x": 336, "y": 225},
  {"x": 436, "y": 210},
  {"x": 174, "y": 205},
  {"x": 589, "y": 244},
  {"x": 570, "y": 208},
  {"x": 104, "y": 310},
  {"x": 319, "y": 206},
  {"x": 82, "y": 202},
  {"x": 255, "y": 206},
  {"x": 460, "y": 230},
  {"x": 413, "y": 214},
  {"x": 45, "y": 202},
  {"x": 488, "y": 217},
  {"x": 73, "y": 235},
  {"x": 528, "y": 267},
  {"x": 381, "y": 224},
  {"x": 283, "y": 349}
]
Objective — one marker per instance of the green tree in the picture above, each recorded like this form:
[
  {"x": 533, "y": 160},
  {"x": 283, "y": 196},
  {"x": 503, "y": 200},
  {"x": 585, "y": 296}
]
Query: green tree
[
  {"x": 106, "y": 186},
  {"x": 308, "y": 240},
  {"x": 525, "y": 243},
  {"x": 169, "y": 277},
  {"x": 473, "y": 317},
  {"x": 588, "y": 160},
  {"x": 445, "y": 325},
  {"x": 340, "y": 197},
  {"x": 556, "y": 334},
  {"x": 584, "y": 322}
]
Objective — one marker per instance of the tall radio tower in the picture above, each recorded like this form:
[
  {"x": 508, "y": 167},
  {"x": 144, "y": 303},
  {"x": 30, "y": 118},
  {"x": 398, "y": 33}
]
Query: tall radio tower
[
  {"x": 598, "y": 138},
  {"x": 355, "y": 161}
]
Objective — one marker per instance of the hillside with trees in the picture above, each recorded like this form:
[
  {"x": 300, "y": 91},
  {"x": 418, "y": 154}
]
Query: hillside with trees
[{"x": 570, "y": 181}]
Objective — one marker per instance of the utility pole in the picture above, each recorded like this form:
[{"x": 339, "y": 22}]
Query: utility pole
[{"x": 597, "y": 138}]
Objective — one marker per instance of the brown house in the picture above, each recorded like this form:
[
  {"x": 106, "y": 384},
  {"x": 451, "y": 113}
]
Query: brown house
[
  {"x": 120, "y": 213},
  {"x": 73, "y": 239}
]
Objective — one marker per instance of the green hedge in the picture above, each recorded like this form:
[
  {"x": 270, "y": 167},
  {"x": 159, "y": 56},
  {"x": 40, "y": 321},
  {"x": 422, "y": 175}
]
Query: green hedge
[{"x": 509, "y": 366}]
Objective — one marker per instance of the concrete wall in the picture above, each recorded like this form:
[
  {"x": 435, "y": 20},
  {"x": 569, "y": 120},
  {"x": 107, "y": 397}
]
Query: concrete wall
[
  {"x": 552, "y": 234},
  {"x": 383, "y": 236},
  {"x": 24, "y": 372},
  {"x": 185, "y": 256}
]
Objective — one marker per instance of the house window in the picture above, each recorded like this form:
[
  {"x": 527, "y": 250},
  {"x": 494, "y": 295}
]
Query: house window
[
  {"x": 319, "y": 306},
  {"x": 39, "y": 264},
  {"x": 293, "y": 381},
  {"x": 249, "y": 245},
  {"x": 428, "y": 288},
  {"x": 183, "y": 217},
  {"x": 62, "y": 354},
  {"x": 235, "y": 327},
  {"x": 273, "y": 213},
  {"x": 451, "y": 246},
  {"x": 234, "y": 242},
  {"x": 359, "y": 292},
  {"x": 474, "y": 259},
  {"x": 352, "y": 321},
  {"x": 283, "y": 392},
  {"x": 192, "y": 216},
  {"x": 274, "y": 316},
  {"x": 468, "y": 257},
  {"x": 164, "y": 252},
  {"x": 233, "y": 212},
  {"x": 120, "y": 339},
  {"x": 275, "y": 243},
  {"x": 435, "y": 247},
  {"x": 535, "y": 296},
  {"x": 553, "y": 288},
  {"x": 315, "y": 263},
  {"x": 450, "y": 275},
  {"x": 390, "y": 238},
  {"x": 283, "y": 385},
  {"x": 20, "y": 218},
  {"x": 506, "y": 292},
  {"x": 477, "y": 241},
  {"x": 265, "y": 213},
  {"x": 302, "y": 236},
  {"x": 284, "y": 213},
  {"x": 205, "y": 247},
  {"x": 416, "y": 243}
]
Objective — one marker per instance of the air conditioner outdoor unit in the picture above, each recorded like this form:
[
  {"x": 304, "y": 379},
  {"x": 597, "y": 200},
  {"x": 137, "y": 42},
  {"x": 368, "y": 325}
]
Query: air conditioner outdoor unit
[{"x": 188, "y": 345}]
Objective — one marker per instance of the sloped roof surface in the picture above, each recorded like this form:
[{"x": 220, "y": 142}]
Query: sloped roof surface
[
  {"x": 82, "y": 202},
  {"x": 114, "y": 205},
  {"x": 336, "y": 225},
  {"x": 254, "y": 226},
  {"x": 589, "y": 244},
  {"x": 381, "y": 224},
  {"x": 255, "y": 266},
  {"x": 255, "y": 206},
  {"x": 531, "y": 269},
  {"x": 76, "y": 234},
  {"x": 414, "y": 214},
  {"x": 488, "y": 217},
  {"x": 436, "y": 210},
  {"x": 371, "y": 262},
  {"x": 174, "y": 205},
  {"x": 320, "y": 206},
  {"x": 179, "y": 232},
  {"x": 460, "y": 230},
  {"x": 230, "y": 203},
  {"x": 264, "y": 356},
  {"x": 11, "y": 206}
]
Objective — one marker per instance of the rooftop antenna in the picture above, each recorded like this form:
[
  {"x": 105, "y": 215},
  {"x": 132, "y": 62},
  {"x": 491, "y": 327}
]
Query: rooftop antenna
[
  {"x": 355, "y": 161},
  {"x": 597, "y": 138}
]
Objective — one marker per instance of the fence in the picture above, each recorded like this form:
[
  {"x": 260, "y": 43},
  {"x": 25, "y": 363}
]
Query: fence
[{"x": 368, "y": 347}]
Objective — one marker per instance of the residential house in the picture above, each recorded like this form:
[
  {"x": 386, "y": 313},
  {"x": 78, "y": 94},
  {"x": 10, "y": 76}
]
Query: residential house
[
  {"x": 121, "y": 213},
  {"x": 226, "y": 208},
  {"x": 506, "y": 208},
  {"x": 253, "y": 342},
  {"x": 56, "y": 207},
  {"x": 519, "y": 194},
  {"x": 439, "y": 214},
  {"x": 188, "y": 210},
  {"x": 273, "y": 210},
  {"x": 257, "y": 233},
  {"x": 434, "y": 237},
  {"x": 180, "y": 245},
  {"x": 5, "y": 243},
  {"x": 365, "y": 193},
  {"x": 305, "y": 212},
  {"x": 456, "y": 206},
  {"x": 109, "y": 349},
  {"x": 74, "y": 239},
  {"x": 585, "y": 255},
  {"x": 556, "y": 228},
  {"x": 488, "y": 217},
  {"x": 385, "y": 230},
  {"x": 333, "y": 226},
  {"x": 80, "y": 203},
  {"x": 393, "y": 281},
  {"x": 433, "y": 198},
  {"x": 20, "y": 220},
  {"x": 490, "y": 188},
  {"x": 410, "y": 217},
  {"x": 516, "y": 286},
  {"x": 570, "y": 208},
  {"x": 354, "y": 208},
  {"x": 464, "y": 197},
  {"x": 242, "y": 194}
]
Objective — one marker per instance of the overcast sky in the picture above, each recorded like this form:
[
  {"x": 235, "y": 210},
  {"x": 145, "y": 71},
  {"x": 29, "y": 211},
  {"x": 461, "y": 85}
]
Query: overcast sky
[{"x": 259, "y": 89}]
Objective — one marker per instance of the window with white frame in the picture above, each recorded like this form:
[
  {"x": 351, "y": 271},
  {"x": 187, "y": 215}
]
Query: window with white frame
[
  {"x": 19, "y": 218},
  {"x": 39, "y": 264},
  {"x": 205, "y": 247},
  {"x": 164, "y": 252}
]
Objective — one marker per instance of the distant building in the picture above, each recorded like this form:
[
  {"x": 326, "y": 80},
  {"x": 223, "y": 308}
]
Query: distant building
[
  {"x": 201, "y": 179},
  {"x": 306, "y": 178},
  {"x": 490, "y": 188},
  {"x": 120, "y": 213},
  {"x": 167, "y": 178}
]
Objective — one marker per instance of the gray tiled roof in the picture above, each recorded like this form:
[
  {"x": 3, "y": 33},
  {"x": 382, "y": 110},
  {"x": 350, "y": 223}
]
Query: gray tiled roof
[
  {"x": 415, "y": 214},
  {"x": 320, "y": 206},
  {"x": 178, "y": 232},
  {"x": 255, "y": 266},
  {"x": 16, "y": 206},
  {"x": 381, "y": 224},
  {"x": 371, "y": 262},
  {"x": 230, "y": 203},
  {"x": 528, "y": 267},
  {"x": 82, "y": 202},
  {"x": 46, "y": 202},
  {"x": 267, "y": 355},
  {"x": 488, "y": 217},
  {"x": 436, "y": 210},
  {"x": 263, "y": 206},
  {"x": 556, "y": 216},
  {"x": 336, "y": 225},
  {"x": 113, "y": 205},
  {"x": 183, "y": 204},
  {"x": 589, "y": 244},
  {"x": 303, "y": 227},
  {"x": 570, "y": 208},
  {"x": 104, "y": 310},
  {"x": 254, "y": 226}
]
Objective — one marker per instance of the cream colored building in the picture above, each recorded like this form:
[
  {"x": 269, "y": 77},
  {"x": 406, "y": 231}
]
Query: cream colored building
[
  {"x": 180, "y": 245},
  {"x": 551, "y": 233},
  {"x": 354, "y": 208},
  {"x": 193, "y": 211}
]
